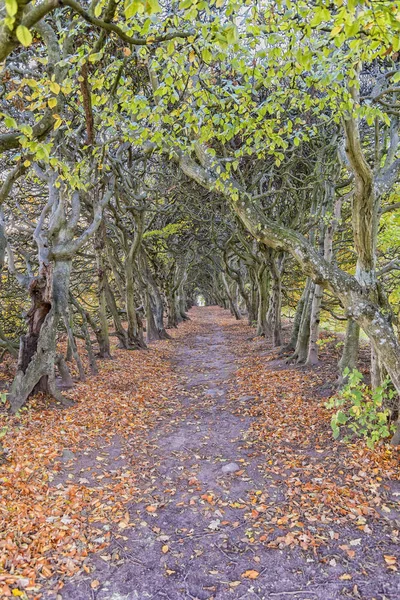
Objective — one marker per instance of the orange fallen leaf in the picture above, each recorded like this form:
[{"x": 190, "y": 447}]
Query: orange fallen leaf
[
  {"x": 95, "y": 584},
  {"x": 250, "y": 574},
  {"x": 151, "y": 508}
]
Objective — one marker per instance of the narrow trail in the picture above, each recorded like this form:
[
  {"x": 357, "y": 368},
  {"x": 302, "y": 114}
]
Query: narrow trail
[{"x": 194, "y": 529}]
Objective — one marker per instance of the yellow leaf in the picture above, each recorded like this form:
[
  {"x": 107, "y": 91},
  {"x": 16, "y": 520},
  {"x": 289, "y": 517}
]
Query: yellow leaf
[
  {"x": 336, "y": 30},
  {"x": 345, "y": 576},
  {"x": 55, "y": 88},
  {"x": 165, "y": 549},
  {"x": 24, "y": 35},
  {"x": 52, "y": 102}
]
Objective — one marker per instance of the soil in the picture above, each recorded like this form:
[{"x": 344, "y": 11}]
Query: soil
[{"x": 191, "y": 535}]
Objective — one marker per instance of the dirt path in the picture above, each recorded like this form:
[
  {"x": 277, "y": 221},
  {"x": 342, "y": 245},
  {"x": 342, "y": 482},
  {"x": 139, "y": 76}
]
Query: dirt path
[{"x": 194, "y": 529}]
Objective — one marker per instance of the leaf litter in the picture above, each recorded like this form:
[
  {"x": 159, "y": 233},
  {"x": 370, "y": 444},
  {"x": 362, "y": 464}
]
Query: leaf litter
[{"x": 129, "y": 481}]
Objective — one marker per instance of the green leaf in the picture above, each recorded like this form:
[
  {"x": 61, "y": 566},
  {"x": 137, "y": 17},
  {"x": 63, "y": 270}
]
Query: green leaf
[
  {"x": 24, "y": 35},
  {"x": 98, "y": 9},
  {"x": 153, "y": 6},
  {"x": 132, "y": 8},
  {"x": 9, "y": 22},
  {"x": 95, "y": 57},
  {"x": 206, "y": 55},
  {"x": 27, "y": 130},
  {"x": 10, "y": 123},
  {"x": 341, "y": 417},
  {"x": 11, "y": 7},
  {"x": 231, "y": 34}
]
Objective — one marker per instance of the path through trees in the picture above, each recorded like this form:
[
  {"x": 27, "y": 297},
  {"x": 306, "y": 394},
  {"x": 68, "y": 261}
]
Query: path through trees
[
  {"x": 219, "y": 481},
  {"x": 162, "y": 155}
]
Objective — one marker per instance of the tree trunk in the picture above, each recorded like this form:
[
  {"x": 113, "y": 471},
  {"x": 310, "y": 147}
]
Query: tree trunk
[
  {"x": 154, "y": 300},
  {"x": 37, "y": 356},
  {"x": 152, "y": 332},
  {"x": 173, "y": 319},
  {"x": 66, "y": 379},
  {"x": 73, "y": 347},
  {"x": 103, "y": 335},
  {"x": 88, "y": 344},
  {"x": 297, "y": 319},
  {"x": 312, "y": 357},
  {"x": 301, "y": 350},
  {"x": 274, "y": 323},
  {"x": 262, "y": 288},
  {"x": 113, "y": 308},
  {"x": 232, "y": 306},
  {"x": 135, "y": 333},
  {"x": 350, "y": 349}
]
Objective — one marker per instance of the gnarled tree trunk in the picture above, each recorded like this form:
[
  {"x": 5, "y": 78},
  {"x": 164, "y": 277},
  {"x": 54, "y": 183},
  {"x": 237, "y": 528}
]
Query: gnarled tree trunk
[{"x": 37, "y": 356}]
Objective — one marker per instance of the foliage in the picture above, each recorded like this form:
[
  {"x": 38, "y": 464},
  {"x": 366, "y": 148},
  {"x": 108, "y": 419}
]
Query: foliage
[{"x": 362, "y": 410}]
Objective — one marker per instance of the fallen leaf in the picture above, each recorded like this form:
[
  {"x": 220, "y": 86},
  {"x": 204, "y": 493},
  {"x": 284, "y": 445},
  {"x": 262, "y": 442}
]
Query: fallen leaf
[{"x": 250, "y": 574}]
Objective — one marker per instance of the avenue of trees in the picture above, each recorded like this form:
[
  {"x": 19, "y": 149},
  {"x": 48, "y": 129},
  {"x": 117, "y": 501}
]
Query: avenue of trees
[{"x": 155, "y": 151}]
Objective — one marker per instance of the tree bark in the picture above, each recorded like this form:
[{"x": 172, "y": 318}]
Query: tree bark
[
  {"x": 73, "y": 347},
  {"x": 232, "y": 305},
  {"x": 103, "y": 334},
  {"x": 297, "y": 318},
  {"x": 301, "y": 349},
  {"x": 350, "y": 349},
  {"x": 37, "y": 356},
  {"x": 262, "y": 289},
  {"x": 274, "y": 318}
]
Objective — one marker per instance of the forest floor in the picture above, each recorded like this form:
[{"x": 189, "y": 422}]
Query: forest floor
[{"x": 202, "y": 469}]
